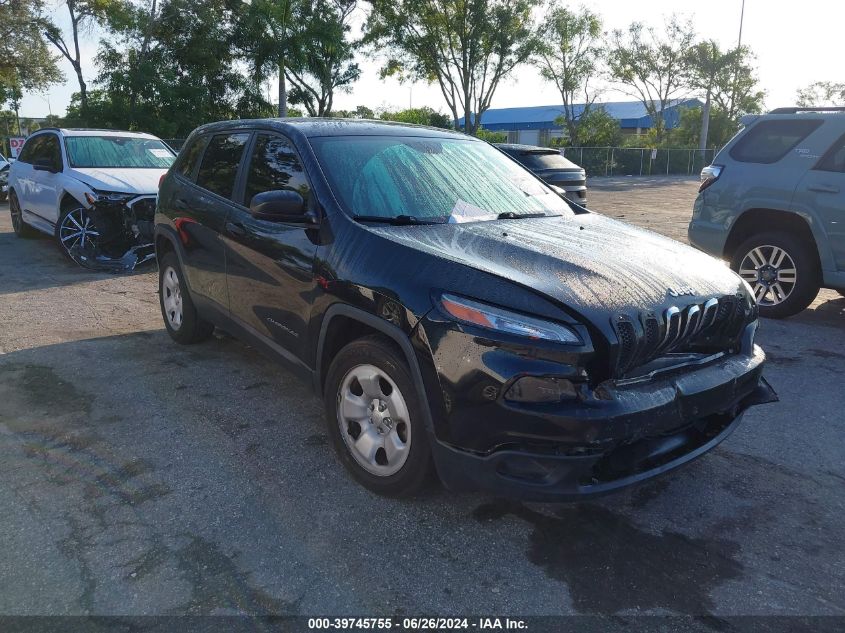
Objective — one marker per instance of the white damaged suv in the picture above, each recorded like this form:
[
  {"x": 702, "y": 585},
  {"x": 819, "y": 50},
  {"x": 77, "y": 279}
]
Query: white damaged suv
[{"x": 93, "y": 190}]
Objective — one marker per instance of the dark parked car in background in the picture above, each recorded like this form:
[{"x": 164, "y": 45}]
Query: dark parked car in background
[
  {"x": 773, "y": 205},
  {"x": 481, "y": 328},
  {"x": 550, "y": 165}
]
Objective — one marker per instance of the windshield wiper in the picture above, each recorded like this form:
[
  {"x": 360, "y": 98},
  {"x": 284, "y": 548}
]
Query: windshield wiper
[
  {"x": 396, "y": 220},
  {"x": 512, "y": 215}
]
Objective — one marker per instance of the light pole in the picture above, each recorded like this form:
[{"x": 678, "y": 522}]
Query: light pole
[{"x": 736, "y": 60}]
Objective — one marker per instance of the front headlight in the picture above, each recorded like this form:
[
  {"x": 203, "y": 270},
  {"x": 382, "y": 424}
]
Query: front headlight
[
  {"x": 501, "y": 320},
  {"x": 108, "y": 196}
]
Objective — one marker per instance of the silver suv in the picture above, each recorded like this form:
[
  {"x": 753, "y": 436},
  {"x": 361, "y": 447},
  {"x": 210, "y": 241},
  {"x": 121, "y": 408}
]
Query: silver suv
[{"x": 773, "y": 204}]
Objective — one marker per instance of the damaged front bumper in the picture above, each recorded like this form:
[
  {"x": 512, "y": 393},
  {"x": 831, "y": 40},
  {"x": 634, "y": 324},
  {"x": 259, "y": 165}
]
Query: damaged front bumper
[
  {"x": 124, "y": 229},
  {"x": 638, "y": 430}
]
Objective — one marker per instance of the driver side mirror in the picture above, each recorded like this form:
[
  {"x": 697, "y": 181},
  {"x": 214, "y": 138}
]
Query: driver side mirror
[
  {"x": 44, "y": 164},
  {"x": 281, "y": 205}
]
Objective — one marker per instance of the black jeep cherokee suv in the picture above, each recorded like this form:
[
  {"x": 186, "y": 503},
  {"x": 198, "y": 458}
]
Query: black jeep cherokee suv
[{"x": 453, "y": 312}]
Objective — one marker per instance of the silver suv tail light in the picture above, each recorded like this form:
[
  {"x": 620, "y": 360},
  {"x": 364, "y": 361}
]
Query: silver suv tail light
[{"x": 709, "y": 175}]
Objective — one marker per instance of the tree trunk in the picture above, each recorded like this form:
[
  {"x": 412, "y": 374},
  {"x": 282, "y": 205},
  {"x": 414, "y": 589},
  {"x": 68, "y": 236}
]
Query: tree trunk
[
  {"x": 83, "y": 90},
  {"x": 705, "y": 123},
  {"x": 469, "y": 126},
  {"x": 283, "y": 91}
]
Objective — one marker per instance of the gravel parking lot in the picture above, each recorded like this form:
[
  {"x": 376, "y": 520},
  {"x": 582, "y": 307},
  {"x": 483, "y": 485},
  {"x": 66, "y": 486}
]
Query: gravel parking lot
[{"x": 141, "y": 477}]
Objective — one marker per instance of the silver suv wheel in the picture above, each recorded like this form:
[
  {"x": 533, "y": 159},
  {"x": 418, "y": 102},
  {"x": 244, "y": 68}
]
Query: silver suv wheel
[
  {"x": 771, "y": 273},
  {"x": 171, "y": 297},
  {"x": 374, "y": 421}
]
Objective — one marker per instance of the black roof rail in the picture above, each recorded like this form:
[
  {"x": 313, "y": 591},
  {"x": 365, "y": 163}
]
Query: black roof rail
[{"x": 796, "y": 109}]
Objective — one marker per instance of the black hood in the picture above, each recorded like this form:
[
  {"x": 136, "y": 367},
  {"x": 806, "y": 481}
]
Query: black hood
[{"x": 588, "y": 262}]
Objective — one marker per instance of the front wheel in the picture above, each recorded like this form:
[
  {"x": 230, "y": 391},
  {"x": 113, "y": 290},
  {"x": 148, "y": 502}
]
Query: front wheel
[
  {"x": 76, "y": 228},
  {"x": 375, "y": 419},
  {"x": 782, "y": 270}
]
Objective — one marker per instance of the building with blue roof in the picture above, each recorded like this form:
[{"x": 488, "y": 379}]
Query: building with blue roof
[{"x": 536, "y": 125}]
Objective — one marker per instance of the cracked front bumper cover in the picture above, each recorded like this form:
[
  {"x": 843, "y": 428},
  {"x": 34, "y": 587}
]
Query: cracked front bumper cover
[
  {"x": 682, "y": 418},
  {"x": 93, "y": 259}
]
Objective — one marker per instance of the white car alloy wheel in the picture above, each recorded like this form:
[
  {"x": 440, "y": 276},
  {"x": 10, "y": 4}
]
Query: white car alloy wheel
[
  {"x": 171, "y": 298},
  {"x": 77, "y": 228},
  {"x": 771, "y": 273},
  {"x": 374, "y": 420}
]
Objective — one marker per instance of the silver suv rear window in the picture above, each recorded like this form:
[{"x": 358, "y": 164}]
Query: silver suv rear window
[{"x": 769, "y": 141}]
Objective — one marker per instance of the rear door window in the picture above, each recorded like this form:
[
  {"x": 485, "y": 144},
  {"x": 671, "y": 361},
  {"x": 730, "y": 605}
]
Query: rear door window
[
  {"x": 220, "y": 163},
  {"x": 769, "y": 141},
  {"x": 834, "y": 159}
]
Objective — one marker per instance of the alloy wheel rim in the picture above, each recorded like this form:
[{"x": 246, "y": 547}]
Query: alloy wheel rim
[
  {"x": 771, "y": 273},
  {"x": 77, "y": 228},
  {"x": 171, "y": 297},
  {"x": 374, "y": 420}
]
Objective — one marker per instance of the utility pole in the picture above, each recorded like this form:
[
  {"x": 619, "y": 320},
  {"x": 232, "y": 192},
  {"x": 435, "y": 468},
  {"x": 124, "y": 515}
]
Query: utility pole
[{"x": 736, "y": 60}]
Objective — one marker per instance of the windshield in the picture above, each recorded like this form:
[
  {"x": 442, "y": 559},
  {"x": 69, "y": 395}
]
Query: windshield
[
  {"x": 432, "y": 179},
  {"x": 118, "y": 152}
]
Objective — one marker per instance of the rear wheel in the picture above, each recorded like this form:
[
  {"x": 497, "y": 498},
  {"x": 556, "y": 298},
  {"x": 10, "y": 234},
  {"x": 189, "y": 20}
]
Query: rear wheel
[
  {"x": 183, "y": 323},
  {"x": 21, "y": 228},
  {"x": 375, "y": 418},
  {"x": 782, "y": 270}
]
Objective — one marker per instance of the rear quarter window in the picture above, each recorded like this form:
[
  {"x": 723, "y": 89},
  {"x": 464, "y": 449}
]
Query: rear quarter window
[
  {"x": 769, "y": 141},
  {"x": 189, "y": 157}
]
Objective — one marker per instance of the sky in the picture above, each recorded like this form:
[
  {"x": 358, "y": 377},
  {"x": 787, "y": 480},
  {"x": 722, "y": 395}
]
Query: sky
[{"x": 795, "y": 44}]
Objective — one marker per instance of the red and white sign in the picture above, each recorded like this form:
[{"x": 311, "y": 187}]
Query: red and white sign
[{"x": 15, "y": 145}]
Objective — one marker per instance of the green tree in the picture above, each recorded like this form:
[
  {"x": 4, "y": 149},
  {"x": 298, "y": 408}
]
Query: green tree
[
  {"x": 268, "y": 36},
  {"x": 726, "y": 78},
  {"x": 822, "y": 93},
  {"x": 651, "y": 65},
  {"x": 689, "y": 131},
  {"x": 569, "y": 55},
  {"x": 170, "y": 69},
  {"x": 82, "y": 14},
  {"x": 596, "y": 128},
  {"x": 467, "y": 46},
  {"x": 323, "y": 63},
  {"x": 25, "y": 59},
  {"x": 418, "y": 116}
]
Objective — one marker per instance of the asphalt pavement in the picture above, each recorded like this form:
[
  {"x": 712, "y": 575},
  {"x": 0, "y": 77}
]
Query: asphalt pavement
[{"x": 140, "y": 477}]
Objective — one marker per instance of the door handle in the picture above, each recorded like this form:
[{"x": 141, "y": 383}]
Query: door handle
[
  {"x": 235, "y": 229},
  {"x": 824, "y": 188}
]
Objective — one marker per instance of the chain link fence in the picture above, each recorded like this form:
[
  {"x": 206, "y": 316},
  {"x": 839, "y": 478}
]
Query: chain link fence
[
  {"x": 598, "y": 161},
  {"x": 639, "y": 161}
]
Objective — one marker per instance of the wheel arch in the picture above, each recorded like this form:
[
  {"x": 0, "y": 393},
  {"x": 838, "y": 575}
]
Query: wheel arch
[
  {"x": 746, "y": 225},
  {"x": 342, "y": 324}
]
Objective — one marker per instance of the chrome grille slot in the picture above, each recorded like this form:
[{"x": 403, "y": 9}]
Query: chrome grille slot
[{"x": 675, "y": 328}]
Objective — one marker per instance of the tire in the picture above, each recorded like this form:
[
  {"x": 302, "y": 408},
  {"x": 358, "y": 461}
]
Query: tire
[
  {"x": 21, "y": 228},
  {"x": 181, "y": 319},
  {"x": 782, "y": 270},
  {"x": 383, "y": 406},
  {"x": 74, "y": 225}
]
